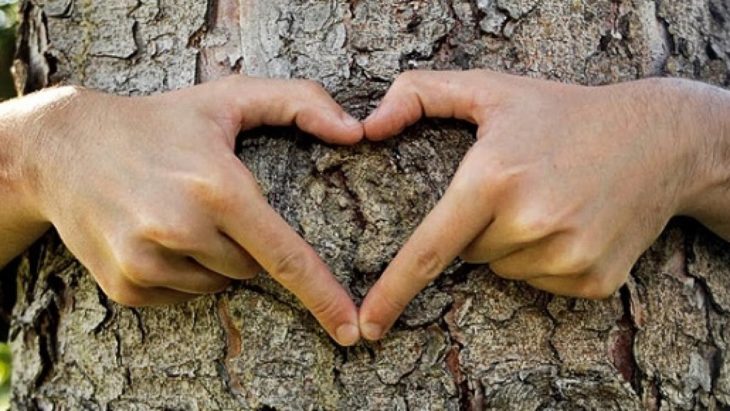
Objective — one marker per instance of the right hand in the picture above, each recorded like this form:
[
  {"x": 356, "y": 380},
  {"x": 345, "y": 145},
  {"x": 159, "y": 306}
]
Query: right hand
[{"x": 148, "y": 194}]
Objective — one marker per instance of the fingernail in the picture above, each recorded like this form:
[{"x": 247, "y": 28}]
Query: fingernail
[
  {"x": 349, "y": 120},
  {"x": 372, "y": 115},
  {"x": 348, "y": 334},
  {"x": 371, "y": 331}
]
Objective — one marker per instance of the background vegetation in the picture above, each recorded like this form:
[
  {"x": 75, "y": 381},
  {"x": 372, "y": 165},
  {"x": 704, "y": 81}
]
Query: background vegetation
[{"x": 8, "y": 27}]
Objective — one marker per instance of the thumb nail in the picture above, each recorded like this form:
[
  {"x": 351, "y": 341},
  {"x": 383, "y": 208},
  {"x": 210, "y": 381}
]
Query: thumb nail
[
  {"x": 347, "y": 334},
  {"x": 371, "y": 331}
]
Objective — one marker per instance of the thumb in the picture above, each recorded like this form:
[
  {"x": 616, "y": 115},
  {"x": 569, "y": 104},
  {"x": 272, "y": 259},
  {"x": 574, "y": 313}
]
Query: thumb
[
  {"x": 252, "y": 102},
  {"x": 415, "y": 94}
]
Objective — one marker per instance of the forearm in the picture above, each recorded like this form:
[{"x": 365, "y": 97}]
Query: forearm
[
  {"x": 20, "y": 220},
  {"x": 704, "y": 116}
]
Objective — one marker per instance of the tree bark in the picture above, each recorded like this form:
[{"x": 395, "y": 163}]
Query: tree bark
[{"x": 469, "y": 341}]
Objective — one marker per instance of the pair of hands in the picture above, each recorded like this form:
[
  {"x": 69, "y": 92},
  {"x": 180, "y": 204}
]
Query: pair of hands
[{"x": 565, "y": 187}]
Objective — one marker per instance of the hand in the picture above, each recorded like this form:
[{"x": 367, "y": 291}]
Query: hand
[
  {"x": 565, "y": 187},
  {"x": 149, "y": 195}
]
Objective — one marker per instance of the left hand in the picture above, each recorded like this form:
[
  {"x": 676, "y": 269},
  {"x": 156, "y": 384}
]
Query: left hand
[{"x": 565, "y": 187}]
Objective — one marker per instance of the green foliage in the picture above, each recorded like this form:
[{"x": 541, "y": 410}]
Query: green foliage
[
  {"x": 5, "y": 371},
  {"x": 8, "y": 28}
]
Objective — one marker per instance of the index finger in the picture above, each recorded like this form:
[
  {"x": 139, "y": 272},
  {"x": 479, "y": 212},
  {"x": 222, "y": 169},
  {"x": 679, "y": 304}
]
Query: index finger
[
  {"x": 253, "y": 224},
  {"x": 455, "y": 221}
]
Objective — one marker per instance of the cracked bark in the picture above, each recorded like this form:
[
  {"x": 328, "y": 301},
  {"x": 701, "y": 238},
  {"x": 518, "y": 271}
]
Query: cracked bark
[{"x": 470, "y": 340}]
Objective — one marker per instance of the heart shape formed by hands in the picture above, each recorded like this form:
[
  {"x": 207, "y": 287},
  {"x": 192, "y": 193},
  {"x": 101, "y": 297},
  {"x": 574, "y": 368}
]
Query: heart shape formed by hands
[
  {"x": 543, "y": 201},
  {"x": 541, "y": 196}
]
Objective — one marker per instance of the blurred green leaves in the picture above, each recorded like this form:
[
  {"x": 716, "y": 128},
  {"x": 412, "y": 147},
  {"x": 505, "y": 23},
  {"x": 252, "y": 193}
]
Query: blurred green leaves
[
  {"x": 9, "y": 16},
  {"x": 8, "y": 28},
  {"x": 5, "y": 371}
]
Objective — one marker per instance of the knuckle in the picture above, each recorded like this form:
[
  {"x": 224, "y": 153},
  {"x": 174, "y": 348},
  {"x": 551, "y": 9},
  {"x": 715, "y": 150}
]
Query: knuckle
[
  {"x": 575, "y": 258},
  {"x": 126, "y": 297},
  {"x": 128, "y": 300},
  {"x": 428, "y": 265},
  {"x": 596, "y": 287},
  {"x": 504, "y": 270},
  {"x": 231, "y": 82},
  {"x": 472, "y": 181},
  {"x": 138, "y": 269},
  {"x": 486, "y": 177},
  {"x": 530, "y": 226},
  {"x": 311, "y": 87},
  {"x": 173, "y": 236},
  {"x": 293, "y": 266},
  {"x": 309, "y": 119},
  {"x": 250, "y": 273},
  {"x": 393, "y": 303},
  {"x": 324, "y": 308},
  {"x": 249, "y": 270},
  {"x": 218, "y": 285},
  {"x": 406, "y": 79},
  {"x": 210, "y": 189}
]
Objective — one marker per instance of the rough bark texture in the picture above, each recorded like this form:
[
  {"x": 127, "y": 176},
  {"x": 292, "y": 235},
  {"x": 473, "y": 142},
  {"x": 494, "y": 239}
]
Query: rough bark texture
[{"x": 470, "y": 340}]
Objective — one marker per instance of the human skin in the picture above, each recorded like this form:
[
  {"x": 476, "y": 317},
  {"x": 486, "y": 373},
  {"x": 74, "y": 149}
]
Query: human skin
[
  {"x": 564, "y": 189},
  {"x": 148, "y": 194},
  {"x": 566, "y": 185}
]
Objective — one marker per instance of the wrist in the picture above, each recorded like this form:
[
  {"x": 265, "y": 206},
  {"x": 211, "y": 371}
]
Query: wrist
[
  {"x": 18, "y": 172},
  {"x": 22, "y": 126},
  {"x": 33, "y": 130},
  {"x": 702, "y": 120}
]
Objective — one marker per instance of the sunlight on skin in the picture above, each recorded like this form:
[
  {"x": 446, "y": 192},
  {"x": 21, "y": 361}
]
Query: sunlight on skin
[
  {"x": 566, "y": 185},
  {"x": 565, "y": 202},
  {"x": 98, "y": 167}
]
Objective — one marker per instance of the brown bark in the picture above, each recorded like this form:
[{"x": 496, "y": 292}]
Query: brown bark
[{"x": 470, "y": 340}]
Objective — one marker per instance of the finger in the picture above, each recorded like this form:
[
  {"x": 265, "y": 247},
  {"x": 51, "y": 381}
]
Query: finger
[
  {"x": 514, "y": 228},
  {"x": 291, "y": 261},
  {"x": 179, "y": 273},
  {"x": 226, "y": 257},
  {"x": 556, "y": 255},
  {"x": 130, "y": 295},
  {"x": 593, "y": 285},
  {"x": 415, "y": 94},
  {"x": 256, "y": 102},
  {"x": 600, "y": 282},
  {"x": 446, "y": 230},
  {"x": 494, "y": 243}
]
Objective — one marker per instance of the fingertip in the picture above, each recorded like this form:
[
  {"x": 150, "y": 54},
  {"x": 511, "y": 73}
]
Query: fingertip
[
  {"x": 347, "y": 335},
  {"x": 349, "y": 121},
  {"x": 372, "y": 317},
  {"x": 353, "y": 130},
  {"x": 332, "y": 126},
  {"x": 341, "y": 322},
  {"x": 380, "y": 125},
  {"x": 371, "y": 331}
]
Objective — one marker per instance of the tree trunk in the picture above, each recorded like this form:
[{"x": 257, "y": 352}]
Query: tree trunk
[{"x": 470, "y": 340}]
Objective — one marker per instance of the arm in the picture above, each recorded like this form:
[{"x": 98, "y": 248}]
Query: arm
[
  {"x": 566, "y": 185},
  {"x": 21, "y": 222},
  {"x": 706, "y": 118},
  {"x": 148, "y": 194}
]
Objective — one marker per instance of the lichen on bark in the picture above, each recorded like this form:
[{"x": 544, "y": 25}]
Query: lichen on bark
[{"x": 470, "y": 340}]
